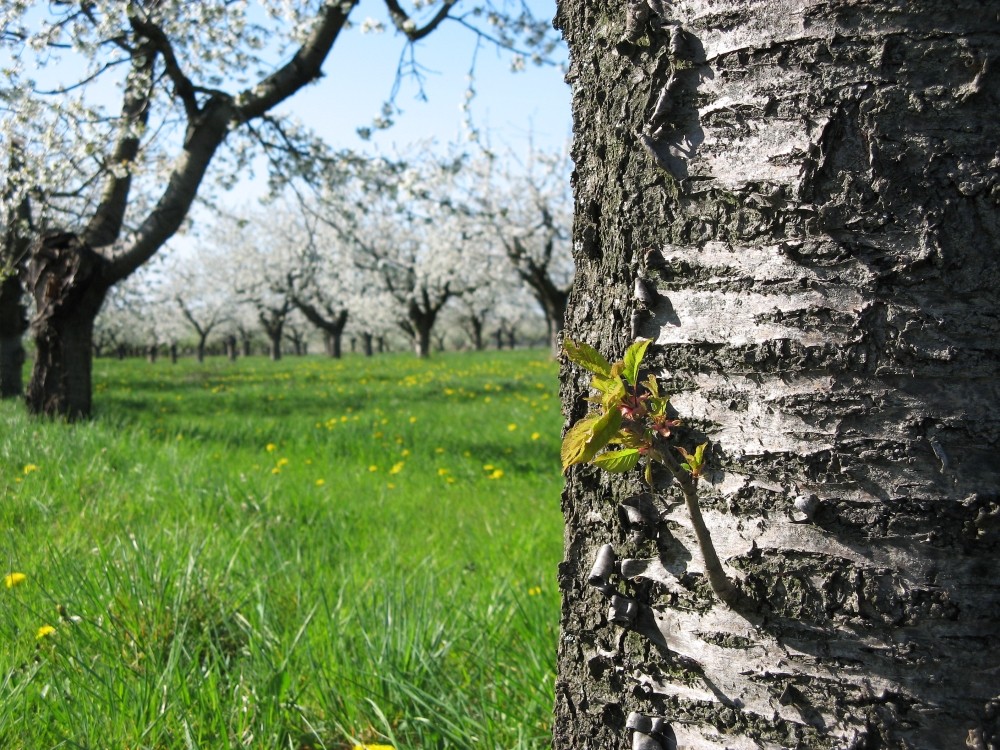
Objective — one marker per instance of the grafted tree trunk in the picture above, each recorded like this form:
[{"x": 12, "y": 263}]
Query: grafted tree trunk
[
  {"x": 798, "y": 202},
  {"x": 67, "y": 281}
]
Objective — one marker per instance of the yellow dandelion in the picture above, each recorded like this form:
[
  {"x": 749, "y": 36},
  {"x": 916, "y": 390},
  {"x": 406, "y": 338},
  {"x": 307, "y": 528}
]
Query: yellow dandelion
[
  {"x": 534, "y": 591},
  {"x": 320, "y": 482},
  {"x": 374, "y": 747},
  {"x": 405, "y": 452},
  {"x": 496, "y": 474},
  {"x": 439, "y": 450},
  {"x": 282, "y": 462},
  {"x": 450, "y": 480},
  {"x": 270, "y": 447},
  {"x": 396, "y": 467},
  {"x": 276, "y": 470},
  {"x": 442, "y": 472},
  {"x": 28, "y": 468},
  {"x": 511, "y": 427},
  {"x": 535, "y": 435},
  {"x": 14, "y": 579},
  {"x": 44, "y": 631},
  {"x": 390, "y": 486},
  {"x": 373, "y": 468},
  {"x": 488, "y": 467}
]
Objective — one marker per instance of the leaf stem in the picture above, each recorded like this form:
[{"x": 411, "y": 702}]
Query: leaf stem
[{"x": 717, "y": 577}]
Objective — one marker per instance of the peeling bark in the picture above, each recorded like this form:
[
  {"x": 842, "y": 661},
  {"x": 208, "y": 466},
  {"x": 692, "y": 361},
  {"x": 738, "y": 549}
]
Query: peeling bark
[{"x": 810, "y": 192}]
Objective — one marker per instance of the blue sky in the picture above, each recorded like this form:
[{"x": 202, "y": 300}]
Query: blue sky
[{"x": 359, "y": 77}]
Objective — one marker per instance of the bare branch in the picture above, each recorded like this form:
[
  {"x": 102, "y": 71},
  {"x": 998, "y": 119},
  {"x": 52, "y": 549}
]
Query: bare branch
[{"x": 402, "y": 21}]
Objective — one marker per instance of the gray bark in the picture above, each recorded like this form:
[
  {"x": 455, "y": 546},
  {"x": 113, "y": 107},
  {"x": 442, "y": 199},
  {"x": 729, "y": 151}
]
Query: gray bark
[{"x": 809, "y": 194}]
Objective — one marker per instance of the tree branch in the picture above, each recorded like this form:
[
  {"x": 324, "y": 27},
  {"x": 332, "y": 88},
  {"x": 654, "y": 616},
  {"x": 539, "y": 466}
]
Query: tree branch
[
  {"x": 303, "y": 68},
  {"x": 183, "y": 87},
  {"x": 106, "y": 224},
  {"x": 406, "y": 25}
]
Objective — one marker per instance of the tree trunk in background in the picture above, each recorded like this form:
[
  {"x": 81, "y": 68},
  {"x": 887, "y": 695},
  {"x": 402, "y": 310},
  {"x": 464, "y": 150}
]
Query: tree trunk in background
[
  {"x": 66, "y": 279},
  {"x": 13, "y": 324},
  {"x": 13, "y": 314},
  {"x": 809, "y": 191},
  {"x": 274, "y": 345}
]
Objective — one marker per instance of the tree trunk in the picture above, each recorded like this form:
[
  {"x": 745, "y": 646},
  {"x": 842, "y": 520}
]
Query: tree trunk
[
  {"x": 274, "y": 349},
  {"x": 65, "y": 277},
  {"x": 477, "y": 336},
  {"x": 422, "y": 342},
  {"x": 555, "y": 314},
  {"x": 13, "y": 324},
  {"x": 797, "y": 201},
  {"x": 366, "y": 343}
]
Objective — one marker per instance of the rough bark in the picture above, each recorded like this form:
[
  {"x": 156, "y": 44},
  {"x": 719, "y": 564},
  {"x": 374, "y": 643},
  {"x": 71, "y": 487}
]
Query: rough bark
[
  {"x": 799, "y": 202},
  {"x": 66, "y": 278}
]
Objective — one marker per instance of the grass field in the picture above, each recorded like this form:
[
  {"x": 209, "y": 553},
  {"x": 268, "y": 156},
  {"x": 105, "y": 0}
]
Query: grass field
[{"x": 303, "y": 554}]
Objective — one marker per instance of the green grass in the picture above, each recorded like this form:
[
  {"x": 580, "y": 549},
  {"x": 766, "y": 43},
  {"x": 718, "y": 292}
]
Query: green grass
[{"x": 303, "y": 554}]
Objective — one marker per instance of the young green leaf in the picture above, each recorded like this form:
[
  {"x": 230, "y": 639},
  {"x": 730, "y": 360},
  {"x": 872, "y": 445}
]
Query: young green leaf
[
  {"x": 693, "y": 462},
  {"x": 617, "y": 462},
  {"x": 584, "y": 439},
  {"x": 633, "y": 360},
  {"x": 587, "y": 357},
  {"x": 652, "y": 386}
]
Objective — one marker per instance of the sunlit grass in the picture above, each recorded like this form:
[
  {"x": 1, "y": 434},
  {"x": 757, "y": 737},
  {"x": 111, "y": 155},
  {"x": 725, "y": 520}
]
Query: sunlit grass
[{"x": 302, "y": 554}]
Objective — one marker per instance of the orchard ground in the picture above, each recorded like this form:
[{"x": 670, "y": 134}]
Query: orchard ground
[{"x": 303, "y": 554}]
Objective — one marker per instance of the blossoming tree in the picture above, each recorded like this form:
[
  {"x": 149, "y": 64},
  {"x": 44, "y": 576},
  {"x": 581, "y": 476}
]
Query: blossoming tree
[{"x": 124, "y": 107}]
